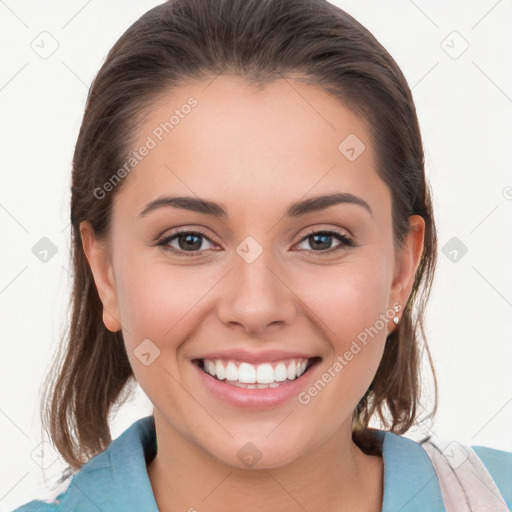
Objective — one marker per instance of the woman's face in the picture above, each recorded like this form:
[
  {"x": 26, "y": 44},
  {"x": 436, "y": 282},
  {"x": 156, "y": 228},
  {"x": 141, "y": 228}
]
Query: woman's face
[{"x": 253, "y": 289}]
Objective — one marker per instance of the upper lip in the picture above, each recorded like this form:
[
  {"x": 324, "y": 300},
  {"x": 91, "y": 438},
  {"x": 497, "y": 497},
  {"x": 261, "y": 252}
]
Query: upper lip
[{"x": 255, "y": 357}]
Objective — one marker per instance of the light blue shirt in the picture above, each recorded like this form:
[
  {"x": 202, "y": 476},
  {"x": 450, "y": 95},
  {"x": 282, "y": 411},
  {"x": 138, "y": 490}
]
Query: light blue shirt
[{"x": 116, "y": 479}]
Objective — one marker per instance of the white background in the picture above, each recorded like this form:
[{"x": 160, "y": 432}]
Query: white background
[{"x": 464, "y": 106}]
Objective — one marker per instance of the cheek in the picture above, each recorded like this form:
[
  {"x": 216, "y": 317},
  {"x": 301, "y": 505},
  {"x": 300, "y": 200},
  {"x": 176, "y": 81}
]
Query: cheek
[
  {"x": 349, "y": 298},
  {"x": 352, "y": 308},
  {"x": 160, "y": 301}
]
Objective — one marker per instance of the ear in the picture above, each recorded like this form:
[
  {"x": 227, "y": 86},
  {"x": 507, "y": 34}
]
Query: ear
[
  {"x": 407, "y": 262},
  {"x": 98, "y": 256}
]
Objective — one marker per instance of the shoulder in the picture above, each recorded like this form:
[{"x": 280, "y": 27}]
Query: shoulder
[
  {"x": 103, "y": 480},
  {"x": 41, "y": 506},
  {"x": 472, "y": 474},
  {"x": 51, "y": 504},
  {"x": 51, "y": 501},
  {"x": 499, "y": 465},
  {"x": 426, "y": 475}
]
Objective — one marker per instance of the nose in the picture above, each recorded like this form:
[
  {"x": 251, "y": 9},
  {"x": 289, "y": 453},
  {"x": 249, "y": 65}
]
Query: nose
[{"x": 257, "y": 296}]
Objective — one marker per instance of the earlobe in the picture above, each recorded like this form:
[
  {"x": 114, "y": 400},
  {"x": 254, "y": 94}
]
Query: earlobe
[
  {"x": 407, "y": 261},
  {"x": 101, "y": 267}
]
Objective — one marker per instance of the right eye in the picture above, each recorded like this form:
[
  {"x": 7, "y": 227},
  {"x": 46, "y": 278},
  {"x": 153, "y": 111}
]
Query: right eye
[{"x": 188, "y": 242}]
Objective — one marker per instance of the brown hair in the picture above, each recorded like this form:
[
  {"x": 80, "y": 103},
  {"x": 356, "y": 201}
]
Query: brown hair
[{"x": 260, "y": 40}]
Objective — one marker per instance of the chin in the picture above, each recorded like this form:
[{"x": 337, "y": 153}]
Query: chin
[{"x": 261, "y": 451}]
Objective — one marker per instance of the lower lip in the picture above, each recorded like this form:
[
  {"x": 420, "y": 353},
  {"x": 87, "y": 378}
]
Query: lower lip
[{"x": 255, "y": 398}]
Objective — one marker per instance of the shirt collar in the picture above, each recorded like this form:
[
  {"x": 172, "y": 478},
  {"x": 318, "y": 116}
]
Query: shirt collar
[
  {"x": 410, "y": 482},
  {"x": 117, "y": 478}
]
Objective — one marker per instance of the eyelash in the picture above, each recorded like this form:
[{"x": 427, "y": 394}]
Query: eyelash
[{"x": 346, "y": 241}]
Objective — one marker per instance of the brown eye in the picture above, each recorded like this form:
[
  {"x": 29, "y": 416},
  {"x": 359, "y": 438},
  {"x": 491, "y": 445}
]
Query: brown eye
[{"x": 189, "y": 242}]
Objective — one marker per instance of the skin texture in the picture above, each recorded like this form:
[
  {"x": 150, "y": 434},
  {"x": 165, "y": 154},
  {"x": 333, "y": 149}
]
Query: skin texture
[{"x": 255, "y": 152}]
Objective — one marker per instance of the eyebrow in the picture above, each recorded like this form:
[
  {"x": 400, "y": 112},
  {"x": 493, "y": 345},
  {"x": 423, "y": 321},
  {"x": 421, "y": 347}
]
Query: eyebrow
[{"x": 297, "y": 209}]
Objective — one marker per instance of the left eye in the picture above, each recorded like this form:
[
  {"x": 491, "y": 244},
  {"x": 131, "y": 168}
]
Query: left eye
[
  {"x": 190, "y": 242},
  {"x": 321, "y": 238}
]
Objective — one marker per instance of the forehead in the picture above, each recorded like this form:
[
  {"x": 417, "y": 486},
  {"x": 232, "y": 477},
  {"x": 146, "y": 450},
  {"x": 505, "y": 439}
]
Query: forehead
[{"x": 226, "y": 139}]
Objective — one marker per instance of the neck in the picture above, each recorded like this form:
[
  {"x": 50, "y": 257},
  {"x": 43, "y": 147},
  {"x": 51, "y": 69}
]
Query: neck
[{"x": 335, "y": 476}]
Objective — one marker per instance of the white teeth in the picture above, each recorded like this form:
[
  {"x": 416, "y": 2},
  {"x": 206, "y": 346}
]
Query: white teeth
[
  {"x": 231, "y": 371},
  {"x": 220, "y": 372},
  {"x": 280, "y": 372},
  {"x": 292, "y": 370},
  {"x": 256, "y": 376},
  {"x": 247, "y": 373},
  {"x": 265, "y": 373}
]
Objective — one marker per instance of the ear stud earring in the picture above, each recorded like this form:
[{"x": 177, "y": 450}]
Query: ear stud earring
[{"x": 395, "y": 318}]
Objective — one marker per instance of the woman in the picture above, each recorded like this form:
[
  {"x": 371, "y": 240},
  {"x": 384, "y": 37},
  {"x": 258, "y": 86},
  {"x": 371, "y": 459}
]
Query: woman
[{"x": 254, "y": 244}]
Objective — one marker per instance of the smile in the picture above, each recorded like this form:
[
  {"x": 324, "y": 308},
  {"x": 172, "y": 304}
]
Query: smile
[{"x": 256, "y": 376}]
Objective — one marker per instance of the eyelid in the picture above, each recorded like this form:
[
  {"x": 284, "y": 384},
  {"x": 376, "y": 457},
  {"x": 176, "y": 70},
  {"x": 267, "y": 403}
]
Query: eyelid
[
  {"x": 192, "y": 228},
  {"x": 326, "y": 229}
]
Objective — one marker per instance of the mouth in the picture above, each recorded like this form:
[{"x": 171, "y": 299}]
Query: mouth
[{"x": 265, "y": 375}]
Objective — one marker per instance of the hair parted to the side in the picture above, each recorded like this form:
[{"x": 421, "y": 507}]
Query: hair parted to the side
[{"x": 261, "y": 41}]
